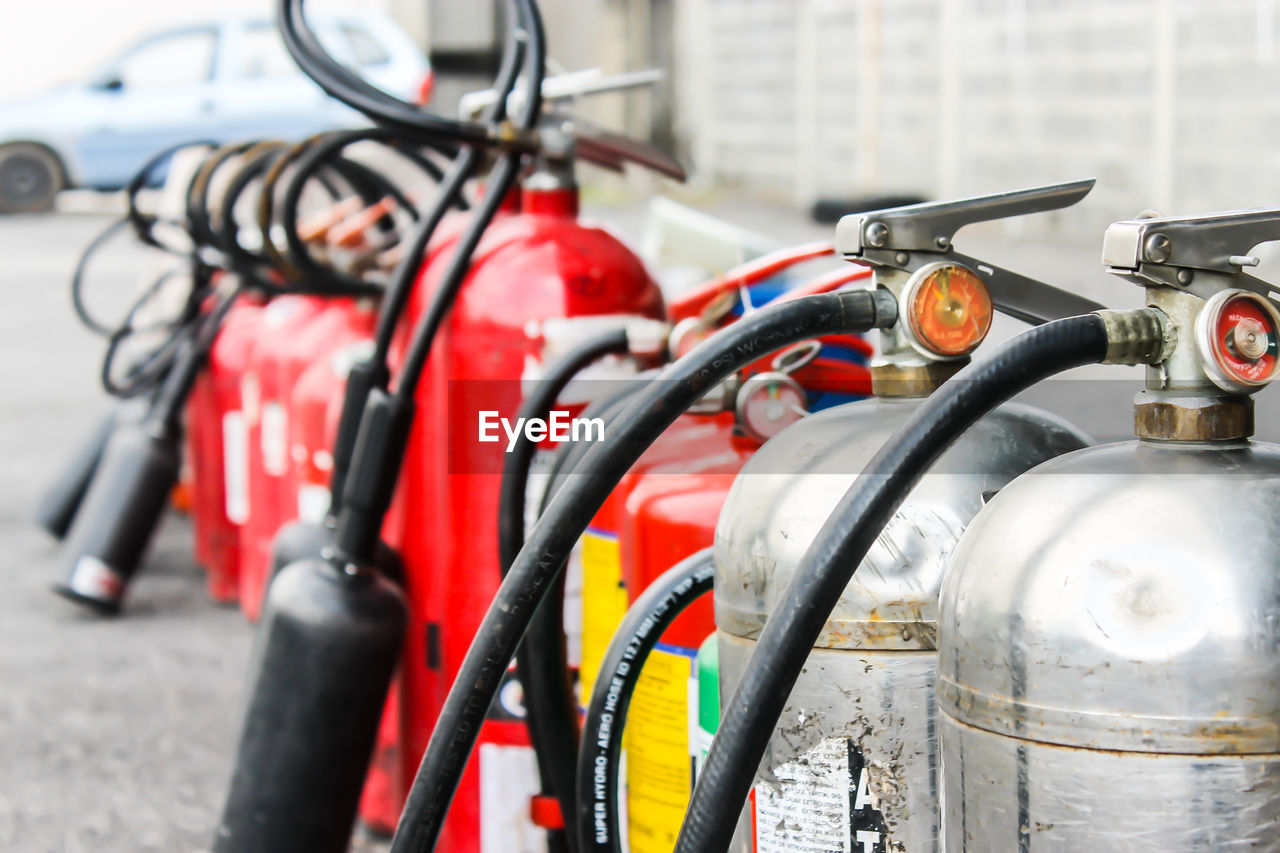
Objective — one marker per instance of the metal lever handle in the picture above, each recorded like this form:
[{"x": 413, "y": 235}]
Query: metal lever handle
[
  {"x": 610, "y": 150},
  {"x": 907, "y": 238},
  {"x": 930, "y": 227},
  {"x": 1027, "y": 299},
  {"x": 564, "y": 87},
  {"x": 1219, "y": 242}
]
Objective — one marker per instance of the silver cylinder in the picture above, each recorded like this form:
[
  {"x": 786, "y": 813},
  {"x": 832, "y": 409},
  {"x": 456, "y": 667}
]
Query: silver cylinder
[
  {"x": 852, "y": 764},
  {"x": 1109, "y": 650}
]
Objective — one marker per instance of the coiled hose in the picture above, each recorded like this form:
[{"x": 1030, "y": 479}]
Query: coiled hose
[
  {"x": 540, "y": 561},
  {"x": 842, "y": 544},
  {"x": 597, "y": 818}
]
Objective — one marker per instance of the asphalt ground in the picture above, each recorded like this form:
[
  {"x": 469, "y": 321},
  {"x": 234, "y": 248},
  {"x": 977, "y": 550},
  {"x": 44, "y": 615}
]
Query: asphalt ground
[{"x": 116, "y": 734}]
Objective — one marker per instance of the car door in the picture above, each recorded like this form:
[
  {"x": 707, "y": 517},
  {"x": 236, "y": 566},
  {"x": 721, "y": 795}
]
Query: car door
[
  {"x": 263, "y": 94},
  {"x": 158, "y": 94}
]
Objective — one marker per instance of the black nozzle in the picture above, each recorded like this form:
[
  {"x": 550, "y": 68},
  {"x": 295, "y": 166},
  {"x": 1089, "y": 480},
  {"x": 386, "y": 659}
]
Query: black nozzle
[
  {"x": 120, "y": 512},
  {"x": 61, "y": 501}
]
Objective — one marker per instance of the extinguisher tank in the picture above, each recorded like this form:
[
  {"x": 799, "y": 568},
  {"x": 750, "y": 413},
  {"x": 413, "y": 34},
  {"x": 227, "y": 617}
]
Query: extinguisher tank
[
  {"x": 860, "y": 718},
  {"x": 327, "y": 648},
  {"x": 535, "y": 265},
  {"x": 1109, "y": 625}
]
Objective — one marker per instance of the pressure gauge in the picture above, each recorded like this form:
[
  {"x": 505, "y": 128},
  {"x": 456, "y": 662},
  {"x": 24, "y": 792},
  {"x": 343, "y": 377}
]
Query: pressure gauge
[
  {"x": 768, "y": 403},
  {"x": 947, "y": 310},
  {"x": 686, "y": 335},
  {"x": 1237, "y": 334}
]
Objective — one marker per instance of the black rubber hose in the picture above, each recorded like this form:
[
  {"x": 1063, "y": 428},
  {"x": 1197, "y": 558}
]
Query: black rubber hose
[
  {"x": 539, "y": 404},
  {"x": 171, "y": 398},
  {"x": 144, "y": 223},
  {"x": 503, "y": 176},
  {"x": 597, "y": 819},
  {"x": 651, "y": 411},
  {"x": 554, "y": 754},
  {"x": 542, "y": 660},
  {"x": 373, "y": 374},
  {"x": 198, "y": 224},
  {"x": 358, "y": 94},
  {"x": 149, "y": 369},
  {"x": 842, "y": 544},
  {"x": 77, "y": 279},
  {"x": 383, "y": 433},
  {"x": 223, "y": 225}
]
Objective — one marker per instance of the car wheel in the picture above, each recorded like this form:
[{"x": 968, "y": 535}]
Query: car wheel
[{"x": 30, "y": 177}]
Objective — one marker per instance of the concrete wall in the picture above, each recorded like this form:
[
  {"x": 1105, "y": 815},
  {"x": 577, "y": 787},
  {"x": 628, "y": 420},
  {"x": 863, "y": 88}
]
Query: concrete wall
[{"x": 1173, "y": 104}]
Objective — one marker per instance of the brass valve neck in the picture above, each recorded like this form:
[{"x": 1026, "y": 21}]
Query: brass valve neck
[
  {"x": 1161, "y": 417},
  {"x": 912, "y": 380}
]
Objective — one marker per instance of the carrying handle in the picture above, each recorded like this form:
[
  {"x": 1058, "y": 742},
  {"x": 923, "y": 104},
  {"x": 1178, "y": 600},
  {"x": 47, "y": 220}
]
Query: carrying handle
[
  {"x": 907, "y": 238},
  {"x": 1172, "y": 250},
  {"x": 931, "y": 226}
]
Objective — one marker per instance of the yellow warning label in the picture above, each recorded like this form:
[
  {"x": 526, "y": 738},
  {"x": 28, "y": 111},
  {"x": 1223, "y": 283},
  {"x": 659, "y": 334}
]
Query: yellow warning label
[
  {"x": 659, "y": 772},
  {"x": 604, "y": 603}
]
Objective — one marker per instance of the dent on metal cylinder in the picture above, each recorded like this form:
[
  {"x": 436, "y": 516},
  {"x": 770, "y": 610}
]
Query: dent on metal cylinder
[
  {"x": 856, "y": 740},
  {"x": 1108, "y": 635}
]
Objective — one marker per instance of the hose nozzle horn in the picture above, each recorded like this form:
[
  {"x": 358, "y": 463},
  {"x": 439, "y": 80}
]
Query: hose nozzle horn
[{"x": 908, "y": 239}]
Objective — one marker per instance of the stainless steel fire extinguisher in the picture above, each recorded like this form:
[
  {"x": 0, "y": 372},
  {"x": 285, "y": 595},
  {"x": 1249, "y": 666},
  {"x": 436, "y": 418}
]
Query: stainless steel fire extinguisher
[
  {"x": 852, "y": 765},
  {"x": 1109, "y": 630}
]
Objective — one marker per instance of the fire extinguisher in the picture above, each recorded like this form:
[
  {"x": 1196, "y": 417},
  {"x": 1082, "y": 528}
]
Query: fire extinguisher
[
  {"x": 560, "y": 267},
  {"x": 61, "y": 501},
  {"x": 767, "y": 521},
  {"x": 309, "y": 330},
  {"x": 217, "y": 450},
  {"x": 265, "y": 384},
  {"x": 219, "y": 445},
  {"x": 214, "y": 233},
  {"x": 138, "y": 469},
  {"x": 1135, "y": 661},
  {"x": 812, "y": 611},
  {"x": 277, "y": 792}
]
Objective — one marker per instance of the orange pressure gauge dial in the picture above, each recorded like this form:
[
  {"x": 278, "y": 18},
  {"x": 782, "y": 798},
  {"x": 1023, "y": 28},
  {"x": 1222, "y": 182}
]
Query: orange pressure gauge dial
[{"x": 948, "y": 310}]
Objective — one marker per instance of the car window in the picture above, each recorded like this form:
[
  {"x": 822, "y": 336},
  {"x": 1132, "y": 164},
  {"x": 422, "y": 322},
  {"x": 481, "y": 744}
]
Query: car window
[
  {"x": 180, "y": 59},
  {"x": 365, "y": 49},
  {"x": 263, "y": 54}
]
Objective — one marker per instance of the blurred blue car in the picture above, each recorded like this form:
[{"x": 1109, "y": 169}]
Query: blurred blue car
[{"x": 220, "y": 81}]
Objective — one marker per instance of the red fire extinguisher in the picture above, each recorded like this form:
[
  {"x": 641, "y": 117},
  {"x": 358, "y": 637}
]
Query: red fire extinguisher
[
  {"x": 217, "y": 451},
  {"x": 664, "y": 510},
  {"x": 265, "y": 390},
  {"x": 541, "y": 263},
  {"x": 310, "y": 330}
]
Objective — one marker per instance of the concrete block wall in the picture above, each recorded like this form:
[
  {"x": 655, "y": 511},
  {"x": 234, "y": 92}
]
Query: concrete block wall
[{"x": 1172, "y": 104}]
